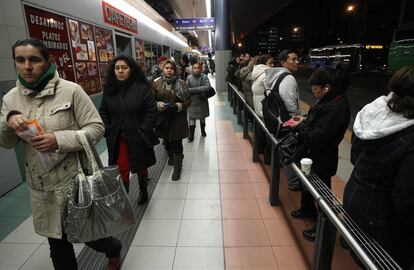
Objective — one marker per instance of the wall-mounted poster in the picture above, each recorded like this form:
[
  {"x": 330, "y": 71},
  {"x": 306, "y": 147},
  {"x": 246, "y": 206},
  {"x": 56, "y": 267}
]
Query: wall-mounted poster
[
  {"x": 51, "y": 29},
  {"x": 140, "y": 53},
  {"x": 105, "y": 50},
  {"x": 83, "y": 48}
]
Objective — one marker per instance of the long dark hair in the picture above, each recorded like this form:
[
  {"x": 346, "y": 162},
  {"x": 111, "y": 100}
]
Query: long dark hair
[
  {"x": 402, "y": 85},
  {"x": 136, "y": 74}
]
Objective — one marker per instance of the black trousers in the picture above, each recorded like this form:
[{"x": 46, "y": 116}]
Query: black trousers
[
  {"x": 176, "y": 147},
  {"x": 307, "y": 201},
  {"x": 63, "y": 255}
]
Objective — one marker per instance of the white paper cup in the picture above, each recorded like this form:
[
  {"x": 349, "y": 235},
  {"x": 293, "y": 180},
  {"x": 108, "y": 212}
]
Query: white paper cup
[{"x": 306, "y": 165}]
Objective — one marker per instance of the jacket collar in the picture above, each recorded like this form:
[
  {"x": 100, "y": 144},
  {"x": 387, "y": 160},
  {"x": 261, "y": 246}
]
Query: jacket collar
[{"x": 47, "y": 91}]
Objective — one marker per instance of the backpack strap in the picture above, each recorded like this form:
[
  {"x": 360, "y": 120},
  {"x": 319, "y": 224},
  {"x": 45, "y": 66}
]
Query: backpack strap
[{"x": 276, "y": 83}]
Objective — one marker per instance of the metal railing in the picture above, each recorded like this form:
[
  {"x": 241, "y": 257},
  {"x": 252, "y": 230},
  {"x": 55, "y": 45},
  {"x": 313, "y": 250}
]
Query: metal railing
[{"x": 331, "y": 214}]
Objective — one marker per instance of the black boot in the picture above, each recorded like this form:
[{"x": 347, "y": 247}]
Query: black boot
[
  {"x": 170, "y": 158},
  {"x": 203, "y": 129},
  {"x": 143, "y": 191},
  {"x": 178, "y": 164},
  {"x": 191, "y": 136}
]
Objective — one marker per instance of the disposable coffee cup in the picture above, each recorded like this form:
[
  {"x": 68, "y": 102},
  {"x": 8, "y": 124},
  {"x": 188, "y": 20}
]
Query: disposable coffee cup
[{"x": 306, "y": 165}]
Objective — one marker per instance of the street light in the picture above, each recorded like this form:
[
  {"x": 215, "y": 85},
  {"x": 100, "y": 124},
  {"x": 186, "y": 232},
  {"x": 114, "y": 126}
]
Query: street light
[
  {"x": 239, "y": 44},
  {"x": 350, "y": 8},
  {"x": 295, "y": 29}
]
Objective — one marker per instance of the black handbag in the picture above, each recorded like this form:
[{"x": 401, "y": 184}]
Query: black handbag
[
  {"x": 162, "y": 124},
  {"x": 292, "y": 148},
  {"x": 208, "y": 94},
  {"x": 149, "y": 138}
]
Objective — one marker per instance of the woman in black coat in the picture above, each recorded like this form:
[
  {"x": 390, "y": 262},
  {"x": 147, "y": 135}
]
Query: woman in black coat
[
  {"x": 379, "y": 194},
  {"x": 322, "y": 131},
  {"x": 128, "y": 110}
]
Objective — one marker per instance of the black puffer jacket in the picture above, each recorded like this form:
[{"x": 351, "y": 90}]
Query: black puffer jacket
[
  {"x": 138, "y": 112},
  {"x": 324, "y": 130}
]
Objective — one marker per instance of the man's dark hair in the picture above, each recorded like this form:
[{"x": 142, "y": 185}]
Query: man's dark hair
[
  {"x": 284, "y": 55},
  {"x": 35, "y": 43},
  {"x": 402, "y": 85},
  {"x": 136, "y": 74}
]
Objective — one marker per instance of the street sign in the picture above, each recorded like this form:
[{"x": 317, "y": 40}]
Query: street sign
[{"x": 196, "y": 24}]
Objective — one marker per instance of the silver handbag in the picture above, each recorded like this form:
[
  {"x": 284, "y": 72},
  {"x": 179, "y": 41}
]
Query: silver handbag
[{"x": 98, "y": 205}]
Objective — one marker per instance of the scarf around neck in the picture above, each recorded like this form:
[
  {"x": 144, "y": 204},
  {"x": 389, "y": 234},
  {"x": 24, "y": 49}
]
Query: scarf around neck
[
  {"x": 41, "y": 82},
  {"x": 181, "y": 91}
]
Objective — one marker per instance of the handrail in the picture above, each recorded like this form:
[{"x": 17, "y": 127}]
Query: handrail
[{"x": 333, "y": 209}]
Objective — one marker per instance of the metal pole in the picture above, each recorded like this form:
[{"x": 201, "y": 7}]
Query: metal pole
[
  {"x": 245, "y": 123},
  {"x": 324, "y": 243},
  {"x": 275, "y": 181},
  {"x": 255, "y": 142}
]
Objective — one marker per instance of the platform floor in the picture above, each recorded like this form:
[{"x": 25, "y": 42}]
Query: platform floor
[{"x": 216, "y": 217}]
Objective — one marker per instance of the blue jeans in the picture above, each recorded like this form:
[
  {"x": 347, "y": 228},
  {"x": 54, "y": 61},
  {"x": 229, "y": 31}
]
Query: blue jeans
[{"x": 292, "y": 178}]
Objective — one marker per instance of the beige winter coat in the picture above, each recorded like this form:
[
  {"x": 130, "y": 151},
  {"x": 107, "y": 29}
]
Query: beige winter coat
[{"x": 62, "y": 107}]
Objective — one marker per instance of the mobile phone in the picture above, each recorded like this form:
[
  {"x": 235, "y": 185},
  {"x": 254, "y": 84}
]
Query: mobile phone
[{"x": 289, "y": 122}]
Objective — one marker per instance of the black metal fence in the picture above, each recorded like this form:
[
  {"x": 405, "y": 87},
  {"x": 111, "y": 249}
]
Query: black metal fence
[{"x": 332, "y": 217}]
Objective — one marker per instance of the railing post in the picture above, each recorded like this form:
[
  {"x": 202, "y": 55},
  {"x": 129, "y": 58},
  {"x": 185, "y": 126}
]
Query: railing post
[
  {"x": 274, "y": 183},
  {"x": 239, "y": 110},
  {"x": 229, "y": 90},
  {"x": 324, "y": 243},
  {"x": 246, "y": 123},
  {"x": 255, "y": 142},
  {"x": 235, "y": 102}
]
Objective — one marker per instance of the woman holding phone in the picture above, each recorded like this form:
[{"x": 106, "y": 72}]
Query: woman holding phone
[{"x": 173, "y": 99}]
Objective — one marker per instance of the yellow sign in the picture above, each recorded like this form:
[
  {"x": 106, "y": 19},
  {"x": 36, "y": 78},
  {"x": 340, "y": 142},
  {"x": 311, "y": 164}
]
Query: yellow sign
[{"x": 374, "y": 46}]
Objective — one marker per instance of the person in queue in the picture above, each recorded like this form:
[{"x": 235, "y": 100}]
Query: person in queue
[
  {"x": 246, "y": 77},
  {"x": 173, "y": 99},
  {"x": 258, "y": 77},
  {"x": 322, "y": 132},
  {"x": 289, "y": 93},
  {"x": 196, "y": 84},
  {"x": 128, "y": 109},
  {"x": 62, "y": 108},
  {"x": 379, "y": 193}
]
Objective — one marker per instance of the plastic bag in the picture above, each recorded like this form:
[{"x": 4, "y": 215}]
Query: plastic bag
[{"x": 48, "y": 159}]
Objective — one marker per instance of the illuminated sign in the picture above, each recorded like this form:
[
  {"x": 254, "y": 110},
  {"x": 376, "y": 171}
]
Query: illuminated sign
[
  {"x": 374, "y": 47},
  {"x": 196, "y": 24},
  {"x": 117, "y": 18}
]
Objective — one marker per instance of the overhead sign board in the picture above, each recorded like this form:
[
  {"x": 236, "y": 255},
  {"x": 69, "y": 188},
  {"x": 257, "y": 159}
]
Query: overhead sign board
[
  {"x": 117, "y": 18},
  {"x": 196, "y": 24}
]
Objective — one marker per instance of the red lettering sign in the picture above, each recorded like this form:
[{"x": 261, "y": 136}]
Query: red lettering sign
[{"x": 117, "y": 18}]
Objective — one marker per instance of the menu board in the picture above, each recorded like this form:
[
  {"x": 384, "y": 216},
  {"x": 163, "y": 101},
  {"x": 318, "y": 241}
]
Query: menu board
[
  {"x": 82, "y": 41},
  {"x": 140, "y": 53},
  {"x": 51, "y": 29},
  {"x": 105, "y": 50}
]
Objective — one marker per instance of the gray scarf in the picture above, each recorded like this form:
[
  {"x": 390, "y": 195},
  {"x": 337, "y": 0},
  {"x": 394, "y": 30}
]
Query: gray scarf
[{"x": 181, "y": 90}]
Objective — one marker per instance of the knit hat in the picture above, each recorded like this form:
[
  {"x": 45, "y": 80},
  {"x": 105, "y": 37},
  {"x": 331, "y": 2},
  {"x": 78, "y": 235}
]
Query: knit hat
[{"x": 162, "y": 58}]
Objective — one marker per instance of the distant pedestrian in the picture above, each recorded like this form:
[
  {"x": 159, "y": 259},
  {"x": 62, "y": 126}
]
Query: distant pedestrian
[{"x": 198, "y": 83}]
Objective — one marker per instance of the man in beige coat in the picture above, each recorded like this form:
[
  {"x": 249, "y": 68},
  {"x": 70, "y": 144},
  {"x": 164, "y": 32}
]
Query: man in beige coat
[{"x": 62, "y": 108}]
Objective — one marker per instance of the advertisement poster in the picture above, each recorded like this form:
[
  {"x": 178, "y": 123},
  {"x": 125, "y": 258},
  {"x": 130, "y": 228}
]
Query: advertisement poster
[
  {"x": 83, "y": 49},
  {"x": 105, "y": 50},
  {"x": 51, "y": 29},
  {"x": 140, "y": 53}
]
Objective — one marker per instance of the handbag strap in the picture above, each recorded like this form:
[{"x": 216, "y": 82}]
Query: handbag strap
[{"x": 88, "y": 151}]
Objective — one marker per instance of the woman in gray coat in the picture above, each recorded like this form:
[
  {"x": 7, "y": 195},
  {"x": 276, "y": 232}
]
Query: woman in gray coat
[{"x": 198, "y": 83}]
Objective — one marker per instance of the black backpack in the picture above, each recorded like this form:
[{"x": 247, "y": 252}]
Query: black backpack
[{"x": 274, "y": 110}]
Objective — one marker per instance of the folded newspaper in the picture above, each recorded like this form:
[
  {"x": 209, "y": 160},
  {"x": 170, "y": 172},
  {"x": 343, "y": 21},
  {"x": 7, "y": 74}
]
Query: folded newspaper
[{"x": 48, "y": 159}]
